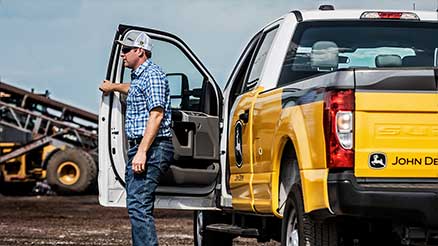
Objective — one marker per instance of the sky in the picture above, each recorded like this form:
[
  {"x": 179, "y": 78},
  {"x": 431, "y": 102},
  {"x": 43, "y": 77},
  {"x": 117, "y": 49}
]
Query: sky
[{"x": 64, "y": 45}]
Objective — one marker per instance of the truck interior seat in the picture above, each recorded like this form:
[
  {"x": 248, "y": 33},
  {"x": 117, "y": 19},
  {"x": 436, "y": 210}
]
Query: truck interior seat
[
  {"x": 388, "y": 61},
  {"x": 325, "y": 56}
]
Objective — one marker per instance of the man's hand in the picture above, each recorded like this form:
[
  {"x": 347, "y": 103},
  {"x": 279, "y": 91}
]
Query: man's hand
[
  {"x": 106, "y": 87},
  {"x": 139, "y": 162}
]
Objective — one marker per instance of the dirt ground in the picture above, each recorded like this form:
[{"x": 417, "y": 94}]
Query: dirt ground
[{"x": 80, "y": 220}]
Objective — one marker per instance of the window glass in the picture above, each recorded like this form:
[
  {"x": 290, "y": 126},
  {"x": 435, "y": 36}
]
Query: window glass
[
  {"x": 321, "y": 47},
  {"x": 184, "y": 78},
  {"x": 240, "y": 70},
  {"x": 259, "y": 60}
]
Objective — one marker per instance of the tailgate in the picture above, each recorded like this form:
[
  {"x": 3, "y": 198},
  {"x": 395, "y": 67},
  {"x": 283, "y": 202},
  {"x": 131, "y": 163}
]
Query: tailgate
[{"x": 396, "y": 123}]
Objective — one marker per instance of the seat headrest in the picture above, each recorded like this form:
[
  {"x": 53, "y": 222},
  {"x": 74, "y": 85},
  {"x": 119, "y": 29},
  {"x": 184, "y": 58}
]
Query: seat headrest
[
  {"x": 324, "y": 55},
  {"x": 388, "y": 61}
]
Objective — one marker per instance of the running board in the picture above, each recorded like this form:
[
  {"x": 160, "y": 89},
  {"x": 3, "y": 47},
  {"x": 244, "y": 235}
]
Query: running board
[{"x": 233, "y": 229}]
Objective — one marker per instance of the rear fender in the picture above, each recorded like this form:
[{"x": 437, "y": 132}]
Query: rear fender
[{"x": 311, "y": 159}]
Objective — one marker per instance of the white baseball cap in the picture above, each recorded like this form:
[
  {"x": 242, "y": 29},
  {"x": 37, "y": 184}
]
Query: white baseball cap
[{"x": 137, "y": 39}]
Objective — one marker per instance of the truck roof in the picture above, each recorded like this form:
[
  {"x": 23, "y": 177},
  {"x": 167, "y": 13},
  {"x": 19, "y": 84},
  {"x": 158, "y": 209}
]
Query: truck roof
[{"x": 355, "y": 14}]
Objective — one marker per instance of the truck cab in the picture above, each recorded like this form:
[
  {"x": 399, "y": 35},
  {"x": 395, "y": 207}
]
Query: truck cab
[{"x": 329, "y": 119}]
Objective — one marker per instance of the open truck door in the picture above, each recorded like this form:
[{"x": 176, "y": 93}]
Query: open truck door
[{"x": 196, "y": 102}]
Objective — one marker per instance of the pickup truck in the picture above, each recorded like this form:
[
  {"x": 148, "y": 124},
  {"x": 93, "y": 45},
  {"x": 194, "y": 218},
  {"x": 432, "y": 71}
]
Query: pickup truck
[{"x": 326, "y": 132}]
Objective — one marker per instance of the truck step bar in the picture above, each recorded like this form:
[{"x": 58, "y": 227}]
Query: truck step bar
[{"x": 234, "y": 230}]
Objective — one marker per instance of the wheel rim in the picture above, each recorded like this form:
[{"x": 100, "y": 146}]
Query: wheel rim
[
  {"x": 199, "y": 226},
  {"x": 68, "y": 173},
  {"x": 292, "y": 230}
]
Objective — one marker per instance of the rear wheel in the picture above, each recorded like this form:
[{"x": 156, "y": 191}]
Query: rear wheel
[
  {"x": 202, "y": 237},
  {"x": 298, "y": 229},
  {"x": 71, "y": 171}
]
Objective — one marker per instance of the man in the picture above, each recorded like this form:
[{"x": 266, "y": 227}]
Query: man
[{"x": 147, "y": 126}]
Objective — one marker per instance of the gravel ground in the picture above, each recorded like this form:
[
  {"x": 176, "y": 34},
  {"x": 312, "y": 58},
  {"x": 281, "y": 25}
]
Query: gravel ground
[{"x": 80, "y": 220}]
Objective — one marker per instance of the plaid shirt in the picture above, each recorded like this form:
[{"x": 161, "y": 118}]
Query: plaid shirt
[{"x": 149, "y": 89}]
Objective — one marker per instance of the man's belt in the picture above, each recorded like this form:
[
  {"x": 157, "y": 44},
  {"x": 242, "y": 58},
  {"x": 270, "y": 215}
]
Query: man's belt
[{"x": 136, "y": 141}]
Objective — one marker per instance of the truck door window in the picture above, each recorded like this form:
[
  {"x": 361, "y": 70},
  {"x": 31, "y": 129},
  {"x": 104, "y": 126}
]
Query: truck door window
[
  {"x": 369, "y": 44},
  {"x": 259, "y": 59},
  {"x": 242, "y": 67},
  {"x": 184, "y": 78}
]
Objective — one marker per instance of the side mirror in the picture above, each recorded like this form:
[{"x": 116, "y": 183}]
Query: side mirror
[{"x": 179, "y": 90}]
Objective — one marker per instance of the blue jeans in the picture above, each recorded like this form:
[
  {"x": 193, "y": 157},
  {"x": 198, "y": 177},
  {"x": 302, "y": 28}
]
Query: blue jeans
[{"x": 141, "y": 188}]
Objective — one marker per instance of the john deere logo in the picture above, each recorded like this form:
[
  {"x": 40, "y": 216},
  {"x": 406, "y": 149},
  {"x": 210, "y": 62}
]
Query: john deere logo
[
  {"x": 238, "y": 144},
  {"x": 377, "y": 160}
]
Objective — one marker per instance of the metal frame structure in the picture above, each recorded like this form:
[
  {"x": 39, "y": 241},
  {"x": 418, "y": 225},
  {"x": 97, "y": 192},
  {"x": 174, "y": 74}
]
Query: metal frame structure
[{"x": 45, "y": 121}]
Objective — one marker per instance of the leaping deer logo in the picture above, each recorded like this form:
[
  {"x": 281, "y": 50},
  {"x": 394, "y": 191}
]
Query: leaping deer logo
[{"x": 377, "y": 160}]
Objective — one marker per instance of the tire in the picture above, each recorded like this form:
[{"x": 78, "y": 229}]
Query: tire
[
  {"x": 71, "y": 171},
  {"x": 203, "y": 237},
  {"x": 298, "y": 229}
]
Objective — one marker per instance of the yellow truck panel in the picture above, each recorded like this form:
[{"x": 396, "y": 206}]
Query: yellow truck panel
[
  {"x": 406, "y": 136},
  {"x": 241, "y": 152}
]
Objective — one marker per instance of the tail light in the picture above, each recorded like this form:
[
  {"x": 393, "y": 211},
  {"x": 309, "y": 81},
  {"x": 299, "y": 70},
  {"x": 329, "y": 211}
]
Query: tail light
[{"x": 339, "y": 127}]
